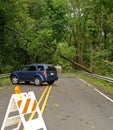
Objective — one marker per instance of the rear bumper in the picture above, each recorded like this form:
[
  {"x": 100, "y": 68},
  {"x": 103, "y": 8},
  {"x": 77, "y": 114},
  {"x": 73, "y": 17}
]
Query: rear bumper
[{"x": 50, "y": 79}]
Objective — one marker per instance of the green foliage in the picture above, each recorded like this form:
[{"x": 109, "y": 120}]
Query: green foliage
[
  {"x": 7, "y": 69},
  {"x": 38, "y": 30},
  {"x": 104, "y": 67},
  {"x": 65, "y": 49}
]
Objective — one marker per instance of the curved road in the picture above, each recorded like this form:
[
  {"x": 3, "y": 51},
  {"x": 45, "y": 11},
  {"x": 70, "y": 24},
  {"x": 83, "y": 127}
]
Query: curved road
[{"x": 73, "y": 105}]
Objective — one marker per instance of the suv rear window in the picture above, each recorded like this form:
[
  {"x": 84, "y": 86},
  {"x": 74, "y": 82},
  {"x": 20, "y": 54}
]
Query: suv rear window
[{"x": 51, "y": 68}]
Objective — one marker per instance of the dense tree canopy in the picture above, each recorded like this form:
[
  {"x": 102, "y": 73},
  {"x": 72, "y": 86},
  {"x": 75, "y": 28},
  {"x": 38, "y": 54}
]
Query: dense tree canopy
[{"x": 39, "y": 30}]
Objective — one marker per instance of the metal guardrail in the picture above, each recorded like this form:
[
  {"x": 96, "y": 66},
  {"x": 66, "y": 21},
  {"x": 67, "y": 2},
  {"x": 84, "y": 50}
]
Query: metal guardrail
[
  {"x": 100, "y": 77},
  {"x": 4, "y": 75}
]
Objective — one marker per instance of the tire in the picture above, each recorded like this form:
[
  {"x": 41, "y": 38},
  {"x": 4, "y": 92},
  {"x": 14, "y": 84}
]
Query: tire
[
  {"x": 14, "y": 80},
  {"x": 50, "y": 82},
  {"x": 37, "y": 81}
]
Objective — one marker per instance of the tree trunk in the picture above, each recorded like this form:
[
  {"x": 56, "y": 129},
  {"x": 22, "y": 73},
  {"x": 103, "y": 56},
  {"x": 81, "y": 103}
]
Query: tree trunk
[
  {"x": 91, "y": 59},
  {"x": 79, "y": 49}
]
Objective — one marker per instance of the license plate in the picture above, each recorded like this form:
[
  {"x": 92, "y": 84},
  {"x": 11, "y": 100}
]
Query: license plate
[{"x": 52, "y": 73}]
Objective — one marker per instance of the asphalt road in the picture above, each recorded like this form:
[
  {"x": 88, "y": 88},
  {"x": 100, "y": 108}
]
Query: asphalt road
[{"x": 73, "y": 105}]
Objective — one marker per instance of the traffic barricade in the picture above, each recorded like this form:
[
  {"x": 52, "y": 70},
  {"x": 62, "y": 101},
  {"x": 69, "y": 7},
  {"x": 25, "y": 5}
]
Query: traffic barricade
[{"x": 22, "y": 105}]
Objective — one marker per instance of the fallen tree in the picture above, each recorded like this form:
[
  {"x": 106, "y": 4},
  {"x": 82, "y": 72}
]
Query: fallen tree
[{"x": 65, "y": 58}]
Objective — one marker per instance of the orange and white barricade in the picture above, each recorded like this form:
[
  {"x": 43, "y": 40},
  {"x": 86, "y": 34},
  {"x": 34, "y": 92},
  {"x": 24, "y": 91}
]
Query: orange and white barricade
[{"x": 20, "y": 107}]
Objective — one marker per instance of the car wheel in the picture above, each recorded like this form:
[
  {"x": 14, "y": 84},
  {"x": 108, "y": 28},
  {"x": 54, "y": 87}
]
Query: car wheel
[
  {"x": 14, "y": 80},
  {"x": 50, "y": 82},
  {"x": 37, "y": 81}
]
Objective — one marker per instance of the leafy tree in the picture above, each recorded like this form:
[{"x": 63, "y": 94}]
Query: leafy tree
[{"x": 39, "y": 31}]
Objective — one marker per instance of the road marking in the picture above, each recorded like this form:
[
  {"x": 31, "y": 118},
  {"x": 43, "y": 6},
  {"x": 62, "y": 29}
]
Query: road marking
[
  {"x": 42, "y": 96},
  {"x": 90, "y": 85},
  {"x": 103, "y": 95},
  {"x": 111, "y": 100},
  {"x": 40, "y": 99},
  {"x": 82, "y": 80},
  {"x": 48, "y": 88},
  {"x": 46, "y": 98}
]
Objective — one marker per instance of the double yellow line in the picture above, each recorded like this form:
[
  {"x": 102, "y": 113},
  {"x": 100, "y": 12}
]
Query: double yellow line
[{"x": 44, "y": 96}]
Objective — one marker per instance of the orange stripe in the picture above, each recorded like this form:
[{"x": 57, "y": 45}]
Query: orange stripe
[
  {"x": 26, "y": 105},
  {"x": 19, "y": 103},
  {"x": 34, "y": 105}
]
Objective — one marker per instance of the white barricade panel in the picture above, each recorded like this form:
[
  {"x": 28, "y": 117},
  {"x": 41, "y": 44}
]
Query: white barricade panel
[{"x": 25, "y": 104}]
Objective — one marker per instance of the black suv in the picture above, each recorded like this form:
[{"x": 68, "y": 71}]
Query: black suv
[{"x": 37, "y": 73}]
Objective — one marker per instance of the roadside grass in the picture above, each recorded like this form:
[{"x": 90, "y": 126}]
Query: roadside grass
[
  {"x": 5, "y": 82},
  {"x": 106, "y": 86}
]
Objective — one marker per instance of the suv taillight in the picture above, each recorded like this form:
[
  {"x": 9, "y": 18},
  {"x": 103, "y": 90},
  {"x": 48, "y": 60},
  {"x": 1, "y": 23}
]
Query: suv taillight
[{"x": 44, "y": 74}]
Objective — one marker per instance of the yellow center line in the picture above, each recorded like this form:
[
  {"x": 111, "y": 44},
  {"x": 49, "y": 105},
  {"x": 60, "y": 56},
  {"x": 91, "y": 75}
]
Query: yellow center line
[
  {"x": 40, "y": 99},
  {"x": 42, "y": 96},
  {"x": 46, "y": 99}
]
